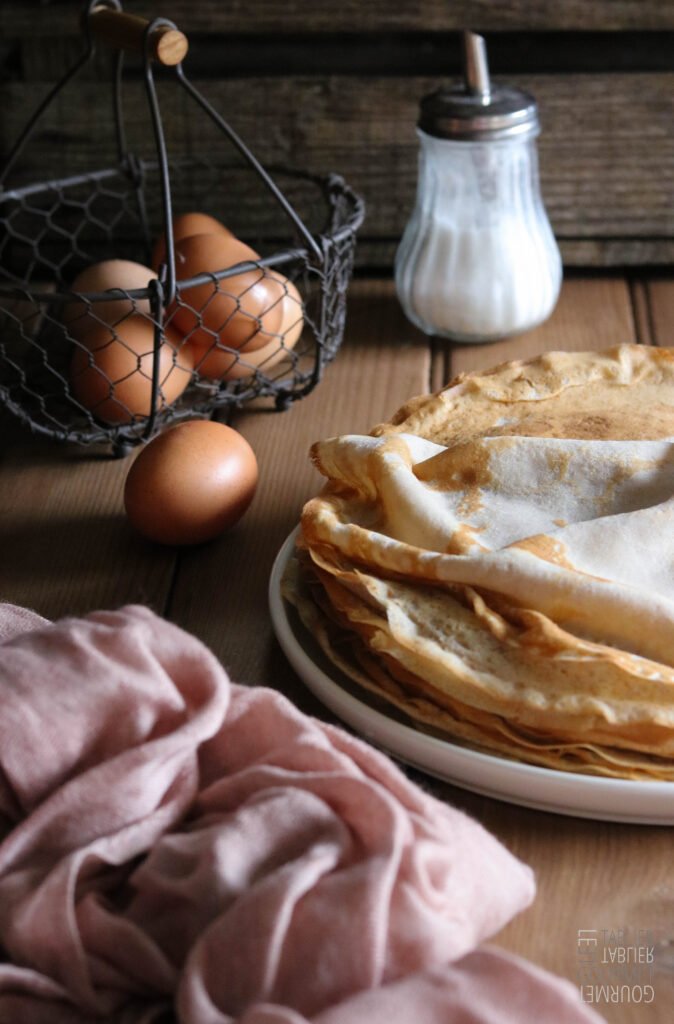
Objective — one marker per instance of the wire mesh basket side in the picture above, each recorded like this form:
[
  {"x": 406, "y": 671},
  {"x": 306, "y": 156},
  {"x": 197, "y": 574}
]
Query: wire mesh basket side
[
  {"x": 42, "y": 338},
  {"x": 112, "y": 358}
]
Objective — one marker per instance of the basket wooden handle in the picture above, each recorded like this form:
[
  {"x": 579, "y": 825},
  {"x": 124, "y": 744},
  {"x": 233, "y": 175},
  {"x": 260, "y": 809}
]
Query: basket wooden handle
[{"x": 127, "y": 32}]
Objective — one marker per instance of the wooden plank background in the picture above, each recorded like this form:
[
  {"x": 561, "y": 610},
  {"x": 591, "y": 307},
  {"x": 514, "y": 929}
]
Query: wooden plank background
[
  {"x": 46, "y": 16},
  {"x": 336, "y": 88}
]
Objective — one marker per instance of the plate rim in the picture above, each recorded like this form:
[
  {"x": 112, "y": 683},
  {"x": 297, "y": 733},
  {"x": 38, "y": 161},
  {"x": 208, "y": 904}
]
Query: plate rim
[{"x": 654, "y": 797}]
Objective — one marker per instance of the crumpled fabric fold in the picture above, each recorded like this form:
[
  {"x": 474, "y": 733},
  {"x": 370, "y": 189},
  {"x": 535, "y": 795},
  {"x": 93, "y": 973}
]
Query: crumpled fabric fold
[{"x": 177, "y": 847}]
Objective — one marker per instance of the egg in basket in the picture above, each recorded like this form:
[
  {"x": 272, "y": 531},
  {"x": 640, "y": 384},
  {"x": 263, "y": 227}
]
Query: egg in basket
[{"x": 154, "y": 289}]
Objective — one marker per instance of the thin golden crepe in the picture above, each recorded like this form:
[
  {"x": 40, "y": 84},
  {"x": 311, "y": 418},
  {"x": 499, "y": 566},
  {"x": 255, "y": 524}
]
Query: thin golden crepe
[{"x": 498, "y": 560}]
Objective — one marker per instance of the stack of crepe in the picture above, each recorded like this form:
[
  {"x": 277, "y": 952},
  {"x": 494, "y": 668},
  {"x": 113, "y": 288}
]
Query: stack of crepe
[{"x": 498, "y": 561}]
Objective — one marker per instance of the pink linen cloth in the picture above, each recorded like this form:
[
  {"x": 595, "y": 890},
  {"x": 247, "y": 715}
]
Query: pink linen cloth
[{"x": 173, "y": 846}]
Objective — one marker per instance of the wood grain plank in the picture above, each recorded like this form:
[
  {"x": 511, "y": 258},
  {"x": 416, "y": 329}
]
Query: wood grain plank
[
  {"x": 597, "y": 182},
  {"x": 36, "y": 16},
  {"x": 643, "y": 325},
  {"x": 245, "y": 54},
  {"x": 384, "y": 362},
  {"x": 592, "y": 313},
  {"x": 440, "y": 372},
  {"x": 65, "y": 545},
  {"x": 590, "y": 875},
  {"x": 660, "y": 295}
]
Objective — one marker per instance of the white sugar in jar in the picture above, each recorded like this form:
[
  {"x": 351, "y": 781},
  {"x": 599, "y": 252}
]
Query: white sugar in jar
[{"x": 478, "y": 259}]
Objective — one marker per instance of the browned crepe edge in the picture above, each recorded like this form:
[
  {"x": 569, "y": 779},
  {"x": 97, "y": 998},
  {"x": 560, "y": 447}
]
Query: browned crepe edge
[{"x": 350, "y": 655}]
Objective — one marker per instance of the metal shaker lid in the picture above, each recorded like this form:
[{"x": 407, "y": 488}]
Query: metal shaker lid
[{"x": 478, "y": 110}]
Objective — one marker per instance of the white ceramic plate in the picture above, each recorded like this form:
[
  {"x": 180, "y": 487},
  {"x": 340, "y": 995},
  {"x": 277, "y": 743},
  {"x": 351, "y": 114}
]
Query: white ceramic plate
[{"x": 585, "y": 796}]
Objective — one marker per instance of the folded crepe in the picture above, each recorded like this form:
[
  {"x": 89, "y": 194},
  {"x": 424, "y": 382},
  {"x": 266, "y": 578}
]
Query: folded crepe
[{"x": 498, "y": 560}]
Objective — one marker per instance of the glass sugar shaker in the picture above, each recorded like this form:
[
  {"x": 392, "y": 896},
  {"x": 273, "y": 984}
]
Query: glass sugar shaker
[{"x": 478, "y": 259}]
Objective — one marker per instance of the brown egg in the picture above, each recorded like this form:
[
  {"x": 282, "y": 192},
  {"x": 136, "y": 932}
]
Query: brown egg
[
  {"x": 112, "y": 375},
  {"x": 240, "y": 311},
  {"x": 184, "y": 226},
  {"x": 191, "y": 483},
  {"x": 82, "y": 317},
  {"x": 218, "y": 364}
]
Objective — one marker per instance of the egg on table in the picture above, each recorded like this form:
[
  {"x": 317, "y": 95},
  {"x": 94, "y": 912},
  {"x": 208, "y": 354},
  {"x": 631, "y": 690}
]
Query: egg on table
[
  {"x": 111, "y": 374},
  {"x": 82, "y": 317},
  {"x": 190, "y": 483},
  {"x": 184, "y": 226},
  {"x": 216, "y": 363},
  {"x": 240, "y": 311}
]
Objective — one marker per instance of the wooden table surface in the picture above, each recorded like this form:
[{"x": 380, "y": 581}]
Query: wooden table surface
[{"x": 65, "y": 548}]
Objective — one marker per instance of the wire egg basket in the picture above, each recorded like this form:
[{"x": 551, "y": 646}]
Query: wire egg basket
[{"x": 114, "y": 363}]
